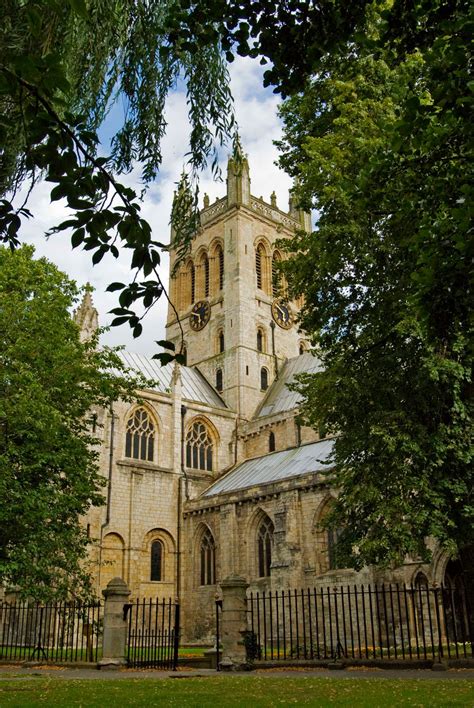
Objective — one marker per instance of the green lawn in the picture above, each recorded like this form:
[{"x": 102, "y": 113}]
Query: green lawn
[{"x": 253, "y": 691}]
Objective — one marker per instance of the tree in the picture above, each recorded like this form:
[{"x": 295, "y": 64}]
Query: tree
[
  {"x": 63, "y": 63},
  {"x": 379, "y": 141},
  {"x": 49, "y": 381}
]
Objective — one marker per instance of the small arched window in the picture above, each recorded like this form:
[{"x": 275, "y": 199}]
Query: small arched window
[
  {"x": 219, "y": 380},
  {"x": 302, "y": 348},
  {"x": 263, "y": 378},
  {"x": 199, "y": 447},
  {"x": 207, "y": 559},
  {"x": 156, "y": 561},
  {"x": 260, "y": 340},
  {"x": 220, "y": 341},
  {"x": 264, "y": 547},
  {"x": 271, "y": 442},
  {"x": 140, "y": 436}
]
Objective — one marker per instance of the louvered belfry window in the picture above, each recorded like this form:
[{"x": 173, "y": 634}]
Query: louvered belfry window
[{"x": 140, "y": 436}]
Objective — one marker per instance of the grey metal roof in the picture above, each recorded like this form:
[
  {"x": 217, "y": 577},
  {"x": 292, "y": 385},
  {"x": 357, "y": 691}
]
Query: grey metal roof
[
  {"x": 195, "y": 386},
  {"x": 279, "y": 397},
  {"x": 275, "y": 467}
]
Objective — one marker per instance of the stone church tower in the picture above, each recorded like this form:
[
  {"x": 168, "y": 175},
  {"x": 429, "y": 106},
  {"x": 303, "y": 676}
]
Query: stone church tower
[{"x": 238, "y": 326}]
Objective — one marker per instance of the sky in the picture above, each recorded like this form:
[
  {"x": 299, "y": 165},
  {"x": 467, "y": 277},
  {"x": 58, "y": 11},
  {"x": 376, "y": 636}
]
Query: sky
[{"x": 259, "y": 126}]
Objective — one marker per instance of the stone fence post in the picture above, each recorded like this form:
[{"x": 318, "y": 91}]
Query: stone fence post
[
  {"x": 234, "y": 623},
  {"x": 115, "y": 624}
]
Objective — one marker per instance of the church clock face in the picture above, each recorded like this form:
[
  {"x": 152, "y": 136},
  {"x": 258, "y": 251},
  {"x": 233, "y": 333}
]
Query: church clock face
[
  {"x": 200, "y": 315},
  {"x": 282, "y": 314}
]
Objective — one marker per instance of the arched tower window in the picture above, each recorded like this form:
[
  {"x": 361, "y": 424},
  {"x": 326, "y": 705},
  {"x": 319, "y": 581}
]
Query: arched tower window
[
  {"x": 220, "y": 341},
  {"x": 276, "y": 275},
  {"x": 140, "y": 436},
  {"x": 199, "y": 447},
  {"x": 263, "y": 378},
  {"x": 259, "y": 264},
  {"x": 261, "y": 346},
  {"x": 207, "y": 559},
  {"x": 220, "y": 254},
  {"x": 271, "y": 442},
  {"x": 302, "y": 348},
  {"x": 203, "y": 277},
  {"x": 156, "y": 561},
  {"x": 219, "y": 380},
  {"x": 192, "y": 272},
  {"x": 264, "y": 547}
]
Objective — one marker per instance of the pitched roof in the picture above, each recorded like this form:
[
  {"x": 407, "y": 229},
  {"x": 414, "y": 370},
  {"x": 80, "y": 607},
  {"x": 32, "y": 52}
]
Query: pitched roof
[
  {"x": 275, "y": 467},
  {"x": 195, "y": 386},
  {"x": 279, "y": 397}
]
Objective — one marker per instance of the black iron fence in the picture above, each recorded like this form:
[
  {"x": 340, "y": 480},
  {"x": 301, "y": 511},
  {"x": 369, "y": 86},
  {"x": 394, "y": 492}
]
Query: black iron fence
[
  {"x": 359, "y": 622},
  {"x": 153, "y": 634},
  {"x": 62, "y": 631}
]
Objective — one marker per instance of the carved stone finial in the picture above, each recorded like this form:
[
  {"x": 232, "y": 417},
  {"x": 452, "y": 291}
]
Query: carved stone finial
[{"x": 206, "y": 201}]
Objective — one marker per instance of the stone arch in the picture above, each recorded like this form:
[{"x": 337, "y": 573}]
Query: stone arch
[
  {"x": 205, "y": 562},
  {"x": 216, "y": 267},
  {"x": 263, "y": 265},
  {"x": 201, "y": 443},
  {"x": 112, "y": 558},
  {"x": 168, "y": 560},
  {"x": 142, "y": 428}
]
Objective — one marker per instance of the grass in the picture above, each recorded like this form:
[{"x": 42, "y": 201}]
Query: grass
[{"x": 258, "y": 691}]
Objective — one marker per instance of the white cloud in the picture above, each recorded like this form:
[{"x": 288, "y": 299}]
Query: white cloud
[{"x": 259, "y": 126}]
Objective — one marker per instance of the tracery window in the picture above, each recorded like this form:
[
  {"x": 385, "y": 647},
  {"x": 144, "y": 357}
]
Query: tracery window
[
  {"x": 199, "y": 447},
  {"x": 156, "y": 561},
  {"x": 140, "y": 436},
  {"x": 263, "y": 378},
  {"x": 207, "y": 559},
  {"x": 333, "y": 535},
  {"x": 264, "y": 547}
]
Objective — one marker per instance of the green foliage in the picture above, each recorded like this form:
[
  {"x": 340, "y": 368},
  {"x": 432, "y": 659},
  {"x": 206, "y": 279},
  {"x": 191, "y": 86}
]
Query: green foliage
[
  {"x": 49, "y": 382},
  {"x": 62, "y": 66},
  {"x": 379, "y": 142}
]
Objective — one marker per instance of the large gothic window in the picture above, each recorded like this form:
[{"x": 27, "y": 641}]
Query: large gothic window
[
  {"x": 156, "y": 561},
  {"x": 264, "y": 547},
  {"x": 207, "y": 559},
  {"x": 199, "y": 447},
  {"x": 140, "y": 436}
]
